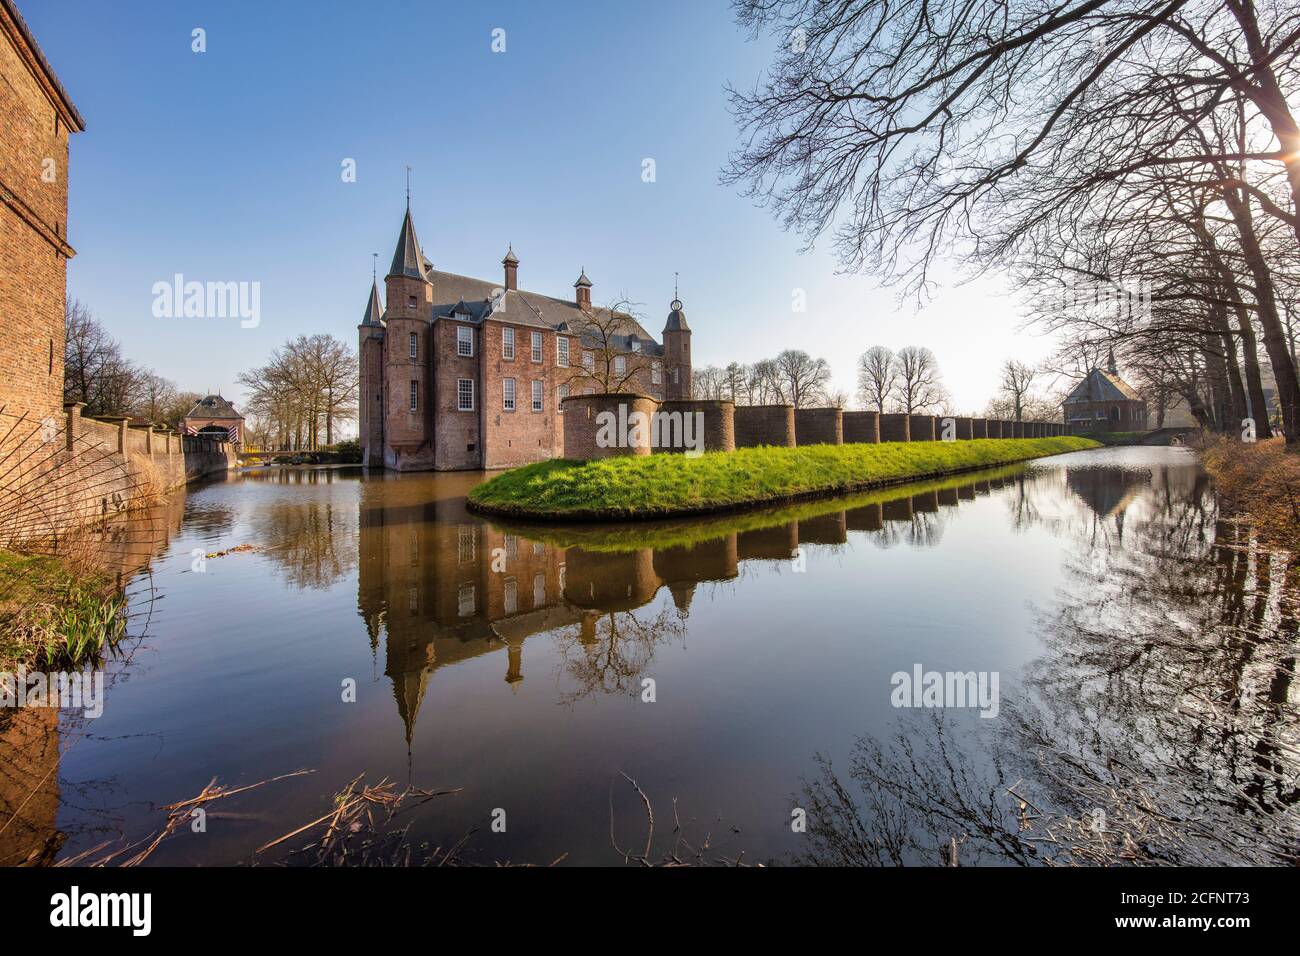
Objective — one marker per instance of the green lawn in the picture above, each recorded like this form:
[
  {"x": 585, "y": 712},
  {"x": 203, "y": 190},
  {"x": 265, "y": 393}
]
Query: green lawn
[{"x": 656, "y": 486}]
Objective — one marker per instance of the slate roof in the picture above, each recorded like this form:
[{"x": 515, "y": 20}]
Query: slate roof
[
  {"x": 214, "y": 406},
  {"x": 408, "y": 260},
  {"x": 676, "y": 318},
  {"x": 1102, "y": 386},
  {"x": 374, "y": 311},
  {"x": 480, "y": 299}
]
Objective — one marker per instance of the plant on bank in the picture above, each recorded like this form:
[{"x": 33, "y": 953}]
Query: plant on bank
[
  {"x": 660, "y": 485},
  {"x": 53, "y": 618}
]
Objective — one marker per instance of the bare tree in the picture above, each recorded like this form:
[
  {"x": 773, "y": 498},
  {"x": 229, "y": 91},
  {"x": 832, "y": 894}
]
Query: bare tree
[
  {"x": 919, "y": 384},
  {"x": 1017, "y": 377},
  {"x": 613, "y": 356},
  {"x": 803, "y": 378},
  {"x": 877, "y": 377}
]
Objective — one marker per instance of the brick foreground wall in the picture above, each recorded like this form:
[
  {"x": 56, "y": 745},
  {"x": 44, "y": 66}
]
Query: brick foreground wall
[
  {"x": 90, "y": 470},
  {"x": 861, "y": 428},
  {"x": 719, "y": 424},
  {"x": 818, "y": 426},
  {"x": 582, "y": 425},
  {"x": 895, "y": 428},
  {"x": 765, "y": 425},
  {"x": 921, "y": 428}
]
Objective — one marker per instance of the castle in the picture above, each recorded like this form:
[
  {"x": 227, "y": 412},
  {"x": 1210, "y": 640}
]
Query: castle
[{"x": 461, "y": 373}]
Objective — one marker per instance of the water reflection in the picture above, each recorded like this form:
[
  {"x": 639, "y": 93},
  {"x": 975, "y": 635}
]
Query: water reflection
[
  {"x": 1146, "y": 648},
  {"x": 31, "y": 739},
  {"x": 438, "y": 586},
  {"x": 1156, "y": 727}
]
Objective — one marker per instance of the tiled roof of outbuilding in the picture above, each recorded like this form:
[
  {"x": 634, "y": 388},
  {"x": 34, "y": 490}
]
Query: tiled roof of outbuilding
[
  {"x": 214, "y": 406},
  {"x": 1102, "y": 386}
]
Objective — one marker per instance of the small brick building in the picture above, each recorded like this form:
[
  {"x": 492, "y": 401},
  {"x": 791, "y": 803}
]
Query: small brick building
[
  {"x": 463, "y": 373},
  {"x": 36, "y": 118},
  {"x": 215, "y": 417},
  {"x": 1102, "y": 401}
]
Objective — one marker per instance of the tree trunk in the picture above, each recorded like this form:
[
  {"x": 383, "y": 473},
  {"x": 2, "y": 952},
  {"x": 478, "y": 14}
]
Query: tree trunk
[{"x": 1275, "y": 343}]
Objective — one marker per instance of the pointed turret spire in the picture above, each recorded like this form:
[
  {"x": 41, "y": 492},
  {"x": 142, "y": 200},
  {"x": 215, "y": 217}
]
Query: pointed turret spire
[
  {"x": 408, "y": 260},
  {"x": 582, "y": 290},
  {"x": 511, "y": 262},
  {"x": 374, "y": 312}
]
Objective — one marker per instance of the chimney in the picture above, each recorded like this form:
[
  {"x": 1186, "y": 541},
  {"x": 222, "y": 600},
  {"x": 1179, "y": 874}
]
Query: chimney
[
  {"x": 511, "y": 262},
  {"x": 582, "y": 291}
]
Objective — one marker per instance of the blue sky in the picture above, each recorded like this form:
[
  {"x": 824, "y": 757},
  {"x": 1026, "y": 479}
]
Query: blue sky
[{"x": 225, "y": 166}]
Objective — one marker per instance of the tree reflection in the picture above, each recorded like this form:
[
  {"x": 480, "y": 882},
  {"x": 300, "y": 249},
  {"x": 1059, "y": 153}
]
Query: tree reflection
[
  {"x": 1156, "y": 728},
  {"x": 611, "y": 651}
]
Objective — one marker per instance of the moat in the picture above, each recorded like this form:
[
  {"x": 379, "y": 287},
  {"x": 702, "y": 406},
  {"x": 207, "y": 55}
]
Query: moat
[{"x": 1143, "y": 646}]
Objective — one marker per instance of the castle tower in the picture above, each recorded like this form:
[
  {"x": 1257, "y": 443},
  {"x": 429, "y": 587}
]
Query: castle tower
[
  {"x": 370, "y": 361},
  {"x": 677, "y": 354},
  {"x": 408, "y": 418}
]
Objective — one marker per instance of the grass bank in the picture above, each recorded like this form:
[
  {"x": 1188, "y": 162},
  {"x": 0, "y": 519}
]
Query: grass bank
[
  {"x": 1259, "y": 483},
  {"x": 659, "y": 486},
  {"x": 53, "y": 617}
]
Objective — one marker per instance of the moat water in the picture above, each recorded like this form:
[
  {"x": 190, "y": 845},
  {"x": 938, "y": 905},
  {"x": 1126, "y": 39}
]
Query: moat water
[{"x": 741, "y": 670}]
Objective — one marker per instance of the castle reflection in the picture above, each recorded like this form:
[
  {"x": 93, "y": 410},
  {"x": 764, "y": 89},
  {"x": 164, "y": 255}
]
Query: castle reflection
[{"x": 439, "y": 585}]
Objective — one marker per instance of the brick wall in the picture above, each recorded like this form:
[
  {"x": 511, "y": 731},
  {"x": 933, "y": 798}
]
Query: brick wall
[
  {"x": 819, "y": 426},
  {"x": 33, "y": 227},
  {"x": 582, "y": 423},
  {"x": 719, "y": 423},
  {"x": 895, "y": 427},
  {"x": 921, "y": 428},
  {"x": 765, "y": 425},
  {"x": 861, "y": 427}
]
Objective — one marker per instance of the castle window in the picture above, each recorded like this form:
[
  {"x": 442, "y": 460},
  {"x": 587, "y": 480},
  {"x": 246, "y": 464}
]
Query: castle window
[
  {"x": 508, "y": 394},
  {"x": 464, "y": 341},
  {"x": 537, "y": 346},
  {"x": 656, "y": 374},
  {"x": 539, "y": 589},
  {"x": 562, "y": 352},
  {"x": 620, "y": 365},
  {"x": 466, "y": 549},
  {"x": 411, "y": 301},
  {"x": 510, "y": 594},
  {"x": 464, "y": 395},
  {"x": 677, "y": 377},
  {"x": 508, "y": 344},
  {"x": 589, "y": 359},
  {"x": 415, "y": 395},
  {"x": 537, "y": 396},
  {"x": 415, "y": 346},
  {"x": 561, "y": 394},
  {"x": 465, "y": 600}
]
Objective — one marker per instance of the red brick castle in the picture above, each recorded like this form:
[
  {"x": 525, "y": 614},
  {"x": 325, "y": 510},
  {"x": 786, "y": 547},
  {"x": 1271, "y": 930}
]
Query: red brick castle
[{"x": 461, "y": 373}]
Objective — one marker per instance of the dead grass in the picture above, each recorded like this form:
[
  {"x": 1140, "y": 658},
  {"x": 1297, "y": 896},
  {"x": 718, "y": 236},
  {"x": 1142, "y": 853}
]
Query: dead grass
[{"x": 1259, "y": 483}]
